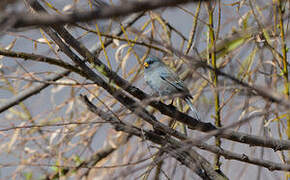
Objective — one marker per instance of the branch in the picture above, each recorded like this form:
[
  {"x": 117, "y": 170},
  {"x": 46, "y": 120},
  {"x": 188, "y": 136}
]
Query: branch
[
  {"x": 133, "y": 105},
  {"x": 187, "y": 143},
  {"x": 100, "y": 13},
  {"x": 194, "y": 62},
  {"x": 96, "y": 49},
  {"x": 187, "y": 156},
  {"x": 41, "y": 58},
  {"x": 93, "y": 159},
  {"x": 270, "y": 165},
  {"x": 49, "y": 125},
  {"x": 30, "y": 92}
]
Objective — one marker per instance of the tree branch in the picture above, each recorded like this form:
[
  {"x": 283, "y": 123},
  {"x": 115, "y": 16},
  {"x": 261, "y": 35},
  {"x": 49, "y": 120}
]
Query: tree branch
[
  {"x": 100, "y": 13},
  {"x": 187, "y": 143},
  {"x": 186, "y": 156},
  {"x": 30, "y": 92},
  {"x": 133, "y": 105}
]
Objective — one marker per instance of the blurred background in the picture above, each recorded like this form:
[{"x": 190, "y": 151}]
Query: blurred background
[{"x": 50, "y": 133}]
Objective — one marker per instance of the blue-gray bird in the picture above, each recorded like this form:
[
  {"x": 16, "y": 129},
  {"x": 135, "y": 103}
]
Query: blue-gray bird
[{"x": 165, "y": 82}]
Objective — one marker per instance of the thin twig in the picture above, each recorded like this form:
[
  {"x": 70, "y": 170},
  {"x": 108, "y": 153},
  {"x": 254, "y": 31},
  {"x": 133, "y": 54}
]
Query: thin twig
[{"x": 30, "y": 92}]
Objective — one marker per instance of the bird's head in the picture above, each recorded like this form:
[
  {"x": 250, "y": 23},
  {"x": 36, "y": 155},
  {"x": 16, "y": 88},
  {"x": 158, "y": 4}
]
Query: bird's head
[{"x": 152, "y": 62}]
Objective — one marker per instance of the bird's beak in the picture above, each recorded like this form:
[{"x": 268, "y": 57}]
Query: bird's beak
[{"x": 146, "y": 65}]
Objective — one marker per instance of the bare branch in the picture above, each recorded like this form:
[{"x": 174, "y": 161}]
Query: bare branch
[
  {"x": 102, "y": 13},
  {"x": 187, "y": 156},
  {"x": 30, "y": 92},
  {"x": 134, "y": 106}
]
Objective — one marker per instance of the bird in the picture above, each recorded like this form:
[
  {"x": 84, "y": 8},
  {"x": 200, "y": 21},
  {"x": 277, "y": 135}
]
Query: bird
[{"x": 165, "y": 82}]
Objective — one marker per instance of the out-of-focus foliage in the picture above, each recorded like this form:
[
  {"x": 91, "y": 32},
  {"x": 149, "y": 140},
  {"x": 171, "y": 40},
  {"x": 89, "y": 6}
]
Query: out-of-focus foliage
[{"x": 52, "y": 134}]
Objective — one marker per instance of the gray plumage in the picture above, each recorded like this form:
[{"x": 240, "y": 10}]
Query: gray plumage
[{"x": 165, "y": 82}]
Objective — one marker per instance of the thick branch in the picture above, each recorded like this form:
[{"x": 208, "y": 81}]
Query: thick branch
[
  {"x": 187, "y": 143},
  {"x": 186, "y": 156},
  {"x": 100, "y": 13},
  {"x": 133, "y": 105}
]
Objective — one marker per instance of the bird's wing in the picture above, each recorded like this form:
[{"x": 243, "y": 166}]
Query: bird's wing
[{"x": 173, "y": 80}]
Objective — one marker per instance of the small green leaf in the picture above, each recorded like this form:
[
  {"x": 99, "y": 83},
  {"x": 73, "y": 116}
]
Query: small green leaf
[
  {"x": 78, "y": 160},
  {"x": 54, "y": 168},
  {"x": 28, "y": 175}
]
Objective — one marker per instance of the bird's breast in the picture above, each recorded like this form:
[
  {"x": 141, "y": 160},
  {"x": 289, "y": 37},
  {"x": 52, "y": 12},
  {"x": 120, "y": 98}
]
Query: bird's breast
[{"x": 157, "y": 84}]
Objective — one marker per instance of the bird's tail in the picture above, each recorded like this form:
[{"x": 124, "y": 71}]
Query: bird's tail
[{"x": 193, "y": 109}]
